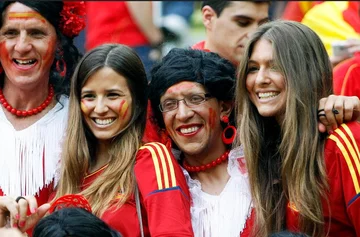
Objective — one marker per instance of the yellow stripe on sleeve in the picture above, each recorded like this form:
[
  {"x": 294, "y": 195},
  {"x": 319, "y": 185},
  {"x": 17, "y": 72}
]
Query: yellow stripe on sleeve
[
  {"x": 348, "y": 161},
  {"x": 350, "y": 134},
  {"x": 156, "y": 164},
  {"x": 163, "y": 164},
  {"x": 171, "y": 166}
]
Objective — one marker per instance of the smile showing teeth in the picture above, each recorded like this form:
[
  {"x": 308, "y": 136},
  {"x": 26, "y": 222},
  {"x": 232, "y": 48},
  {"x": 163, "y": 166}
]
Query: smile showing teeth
[
  {"x": 189, "y": 130},
  {"x": 24, "y": 62},
  {"x": 268, "y": 95},
  {"x": 104, "y": 121}
]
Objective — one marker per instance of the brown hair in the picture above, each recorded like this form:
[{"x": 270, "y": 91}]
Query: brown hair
[
  {"x": 80, "y": 145},
  {"x": 285, "y": 161}
]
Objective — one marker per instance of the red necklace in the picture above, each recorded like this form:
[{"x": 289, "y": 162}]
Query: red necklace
[
  {"x": 24, "y": 113},
  {"x": 212, "y": 164}
]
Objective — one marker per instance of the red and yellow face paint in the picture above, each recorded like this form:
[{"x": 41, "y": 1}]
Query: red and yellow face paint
[
  {"x": 123, "y": 109},
  {"x": 84, "y": 107},
  {"x": 25, "y": 16}
]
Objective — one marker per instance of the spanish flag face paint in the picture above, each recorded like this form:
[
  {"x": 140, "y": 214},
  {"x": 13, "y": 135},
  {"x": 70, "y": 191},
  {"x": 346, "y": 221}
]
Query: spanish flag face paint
[
  {"x": 27, "y": 45},
  {"x": 123, "y": 109},
  {"x": 106, "y": 103}
]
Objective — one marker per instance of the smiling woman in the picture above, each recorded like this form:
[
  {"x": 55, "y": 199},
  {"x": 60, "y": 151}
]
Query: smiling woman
[
  {"x": 37, "y": 58},
  {"x": 103, "y": 149}
]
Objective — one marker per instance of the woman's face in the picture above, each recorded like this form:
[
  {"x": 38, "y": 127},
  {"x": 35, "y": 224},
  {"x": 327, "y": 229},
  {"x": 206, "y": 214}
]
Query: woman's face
[
  {"x": 106, "y": 103},
  {"x": 265, "y": 83},
  {"x": 194, "y": 129},
  {"x": 27, "y": 46}
]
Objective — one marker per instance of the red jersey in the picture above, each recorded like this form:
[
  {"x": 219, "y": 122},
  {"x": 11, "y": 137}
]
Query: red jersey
[
  {"x": 347, "y": 77},
  {"x": 342, "y": 160},
  {"x": 164, "y": 196}
]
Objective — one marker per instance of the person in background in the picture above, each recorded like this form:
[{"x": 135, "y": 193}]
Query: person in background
[
  {"x": 296, "y": 10},
  {"x": 301, "y": 180},
  {"x": 336, "y": 21},
  {"x": 37, "y": 59},
  {"x": 124, "y": 22},
  {"x": 137, "y": 189}
]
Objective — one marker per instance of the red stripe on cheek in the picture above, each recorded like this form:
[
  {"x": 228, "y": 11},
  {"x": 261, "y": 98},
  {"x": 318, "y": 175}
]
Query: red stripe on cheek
[
  {"x": 121, "y": 106},
  {"x": 212, "y": 117},
  {"x": 4, "y": 55},
  {"x": 125, "y": 112}
]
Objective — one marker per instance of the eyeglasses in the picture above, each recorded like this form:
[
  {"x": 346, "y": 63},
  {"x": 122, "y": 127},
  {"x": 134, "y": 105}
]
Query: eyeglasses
[{"x": 190, "y": 101}]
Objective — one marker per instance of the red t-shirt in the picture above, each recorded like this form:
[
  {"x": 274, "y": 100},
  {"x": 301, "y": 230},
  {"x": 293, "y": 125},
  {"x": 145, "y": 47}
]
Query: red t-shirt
[{"x": 111, "y": 22}]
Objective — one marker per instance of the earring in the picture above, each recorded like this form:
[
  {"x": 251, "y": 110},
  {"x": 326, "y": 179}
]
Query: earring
[
  {"x": 60, "y": 63},
  {"x": 229, "y": 133}
]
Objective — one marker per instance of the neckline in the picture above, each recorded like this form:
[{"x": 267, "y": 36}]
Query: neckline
[{"x": 62, "y": 102}]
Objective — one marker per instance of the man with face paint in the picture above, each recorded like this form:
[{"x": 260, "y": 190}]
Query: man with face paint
[{"x": 37, "y": 59}]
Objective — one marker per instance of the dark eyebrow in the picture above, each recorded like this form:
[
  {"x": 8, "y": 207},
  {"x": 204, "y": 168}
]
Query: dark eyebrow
[
  {"x": 242, "y": 17},
  {"x": 263, "y": 21},
  {"x": 114, "y": 90}
]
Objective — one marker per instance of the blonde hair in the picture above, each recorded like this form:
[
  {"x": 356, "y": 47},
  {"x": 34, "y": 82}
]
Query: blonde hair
[
  {"x": 285, "y": 161},
  {"x": 80, "y": 145}
]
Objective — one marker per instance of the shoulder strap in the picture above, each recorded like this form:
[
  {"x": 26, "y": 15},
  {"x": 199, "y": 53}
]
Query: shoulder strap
[{"x": 138, "y": 209}]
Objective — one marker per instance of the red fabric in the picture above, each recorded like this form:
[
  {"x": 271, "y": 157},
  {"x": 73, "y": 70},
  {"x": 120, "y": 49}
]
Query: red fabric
[
  {"x": 347, "y": 77},
  {"x": 294, "y": 12},
  {"x": 342, "y": 164},
  {"x": 248, "y": 225},
  {"x": 152, "y": 131},
  {"x": 165, "y": 208},
  {"x": 351, "y": 15},
  {"x": 200, "y": 46},
  {"x": 111, "y": 22}
]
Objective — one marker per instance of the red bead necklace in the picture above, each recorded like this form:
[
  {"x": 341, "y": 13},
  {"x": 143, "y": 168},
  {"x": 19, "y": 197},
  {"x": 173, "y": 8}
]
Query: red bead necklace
[
  {"x": 24, "y": 113},
  {"x": 212, "y": 164}
]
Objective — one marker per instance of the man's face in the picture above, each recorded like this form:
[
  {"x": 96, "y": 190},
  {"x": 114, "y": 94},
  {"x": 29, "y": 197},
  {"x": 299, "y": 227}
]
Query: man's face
[{"x": 228, "y": 33}]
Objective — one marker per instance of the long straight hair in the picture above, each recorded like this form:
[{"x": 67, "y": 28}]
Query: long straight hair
[
  {"x": 80, "y": 144},
  {"x": 285, "y": 161}
]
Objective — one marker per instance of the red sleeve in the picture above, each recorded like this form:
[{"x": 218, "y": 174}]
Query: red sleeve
[
  {"x": 343, "y": 169},
  {"x": 163, "y": 191}
]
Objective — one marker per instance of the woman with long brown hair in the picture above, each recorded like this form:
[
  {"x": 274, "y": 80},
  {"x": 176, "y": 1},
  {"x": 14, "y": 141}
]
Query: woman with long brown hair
[
  {"x": 300, "y": 179},
  {"x": 104, "y": 158}
]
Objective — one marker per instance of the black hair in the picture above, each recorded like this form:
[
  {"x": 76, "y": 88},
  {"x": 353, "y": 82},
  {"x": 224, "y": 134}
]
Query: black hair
[
  {"x": 74, "y": 222},
  {"x": 216, "y": 74},
  {"x": 219, "y": 5},
  {"x": 288, "y": 234},
  {"x": 50, "y": 10}
]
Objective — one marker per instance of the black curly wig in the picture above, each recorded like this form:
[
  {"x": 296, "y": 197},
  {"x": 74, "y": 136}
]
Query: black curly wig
[{"x": 216, "y": 74}]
